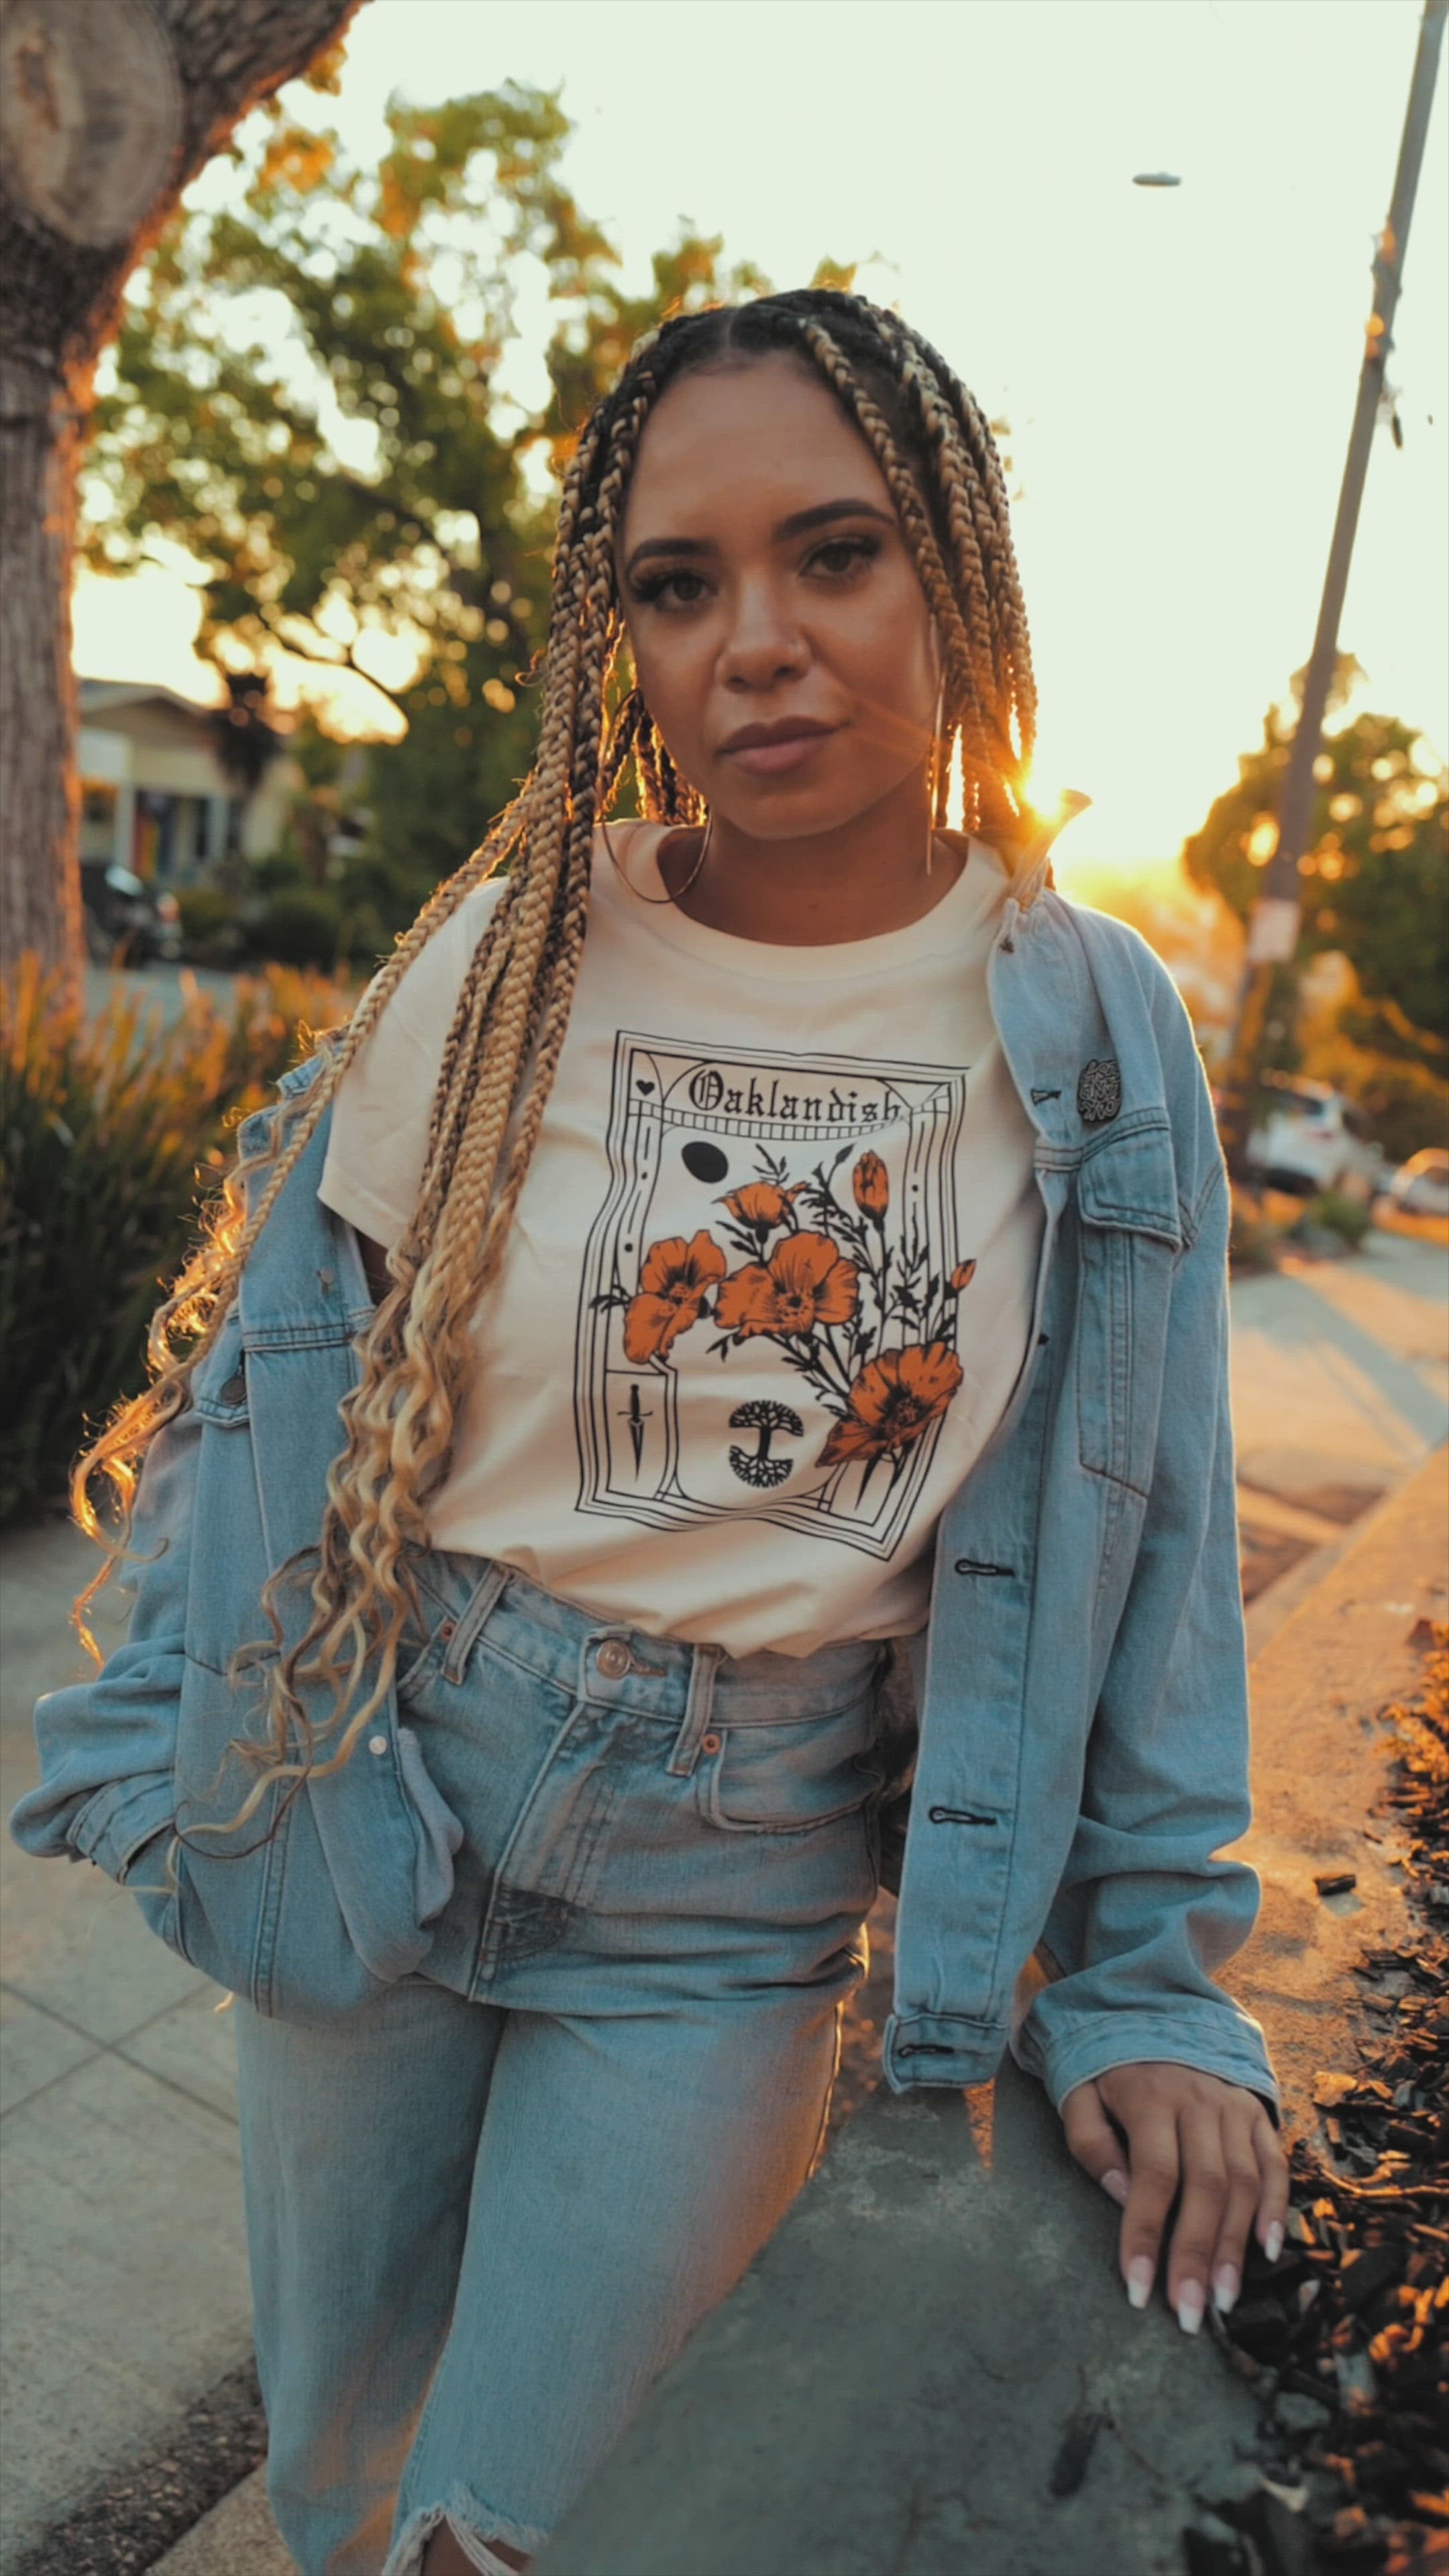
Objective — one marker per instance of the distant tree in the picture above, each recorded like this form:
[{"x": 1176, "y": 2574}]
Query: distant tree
[
  {"x": 244, "y": 739},
  {"x": 307, "y": 400},
  {"x": 1374, "y": 877},
  {"x": 105, "y": 114}
]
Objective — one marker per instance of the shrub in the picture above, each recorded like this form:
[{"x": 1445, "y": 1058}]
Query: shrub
[
  {"x": 300, "y": 926},
  {"x": 278, "y": 872},
  {"x": 1252, "y": 1241},
  {"x": 211, "y": 933},
  {"x": 1331, "y": 1213},
  {"x": 107, "y": 1123}
]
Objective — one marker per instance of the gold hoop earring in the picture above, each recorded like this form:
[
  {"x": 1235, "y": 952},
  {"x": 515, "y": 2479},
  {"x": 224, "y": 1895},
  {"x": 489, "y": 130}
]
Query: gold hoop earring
[
  {"x": 933, "y": 784},
  {"x": 657, "y": 899}
]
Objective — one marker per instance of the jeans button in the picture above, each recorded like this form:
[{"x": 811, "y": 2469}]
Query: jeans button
[{"x": 615, "y": 1659}]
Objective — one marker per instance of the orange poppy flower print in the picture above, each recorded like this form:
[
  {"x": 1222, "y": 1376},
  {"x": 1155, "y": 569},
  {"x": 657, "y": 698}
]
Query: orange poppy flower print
[
  {"x": 871, "y": 1183},
  {"x": 895, "y": 1398},
  {"x": 761, "y": 1204},
  {"x": 674, "y": 1283},
  {"x": 804, "y": 1284}
]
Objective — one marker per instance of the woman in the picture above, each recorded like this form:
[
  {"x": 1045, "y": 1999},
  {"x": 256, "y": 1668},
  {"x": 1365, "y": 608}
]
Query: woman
[{"x": 797, "y": 1240}]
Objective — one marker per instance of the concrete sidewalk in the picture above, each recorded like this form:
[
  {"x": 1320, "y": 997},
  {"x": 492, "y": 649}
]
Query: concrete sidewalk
[
  {"x": 126, "y": 2295},
  {"x": 125, "y": 2288}
]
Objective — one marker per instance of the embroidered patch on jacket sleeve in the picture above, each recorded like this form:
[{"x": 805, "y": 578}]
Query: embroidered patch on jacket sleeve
[{"x": 1099, "y": 1091}]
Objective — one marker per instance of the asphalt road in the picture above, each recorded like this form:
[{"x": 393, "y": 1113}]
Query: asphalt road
[{"x": 162, "y": 989}]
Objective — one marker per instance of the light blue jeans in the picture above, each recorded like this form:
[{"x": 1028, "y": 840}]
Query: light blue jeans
[{"x": 486, "y": 2210}]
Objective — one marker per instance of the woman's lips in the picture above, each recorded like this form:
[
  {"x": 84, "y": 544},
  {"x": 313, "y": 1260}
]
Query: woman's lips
[{"x": 789, "y": 751}]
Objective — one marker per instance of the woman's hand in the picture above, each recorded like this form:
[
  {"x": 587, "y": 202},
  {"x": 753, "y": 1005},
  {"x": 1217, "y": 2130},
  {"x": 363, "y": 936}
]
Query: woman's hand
[{"x": 1214, "y": 2142}]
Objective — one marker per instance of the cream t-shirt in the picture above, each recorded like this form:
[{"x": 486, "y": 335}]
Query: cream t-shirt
[{"x": 769, "y": 1282}]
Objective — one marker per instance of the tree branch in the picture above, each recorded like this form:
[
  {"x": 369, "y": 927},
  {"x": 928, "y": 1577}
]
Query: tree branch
[
  {"x": 343, "y": 659},
  {"x": 114, "y": 112}
]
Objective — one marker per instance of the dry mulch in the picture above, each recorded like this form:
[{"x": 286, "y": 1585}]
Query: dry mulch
[{"x": 1346, "y": 2338}]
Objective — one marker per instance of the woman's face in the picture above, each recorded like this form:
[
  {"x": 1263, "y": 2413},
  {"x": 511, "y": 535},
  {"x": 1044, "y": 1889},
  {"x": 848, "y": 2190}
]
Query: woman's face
[{"x": 780, "y": 635}]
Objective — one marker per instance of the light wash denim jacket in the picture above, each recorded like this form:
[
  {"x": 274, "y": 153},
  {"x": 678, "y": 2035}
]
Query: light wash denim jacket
[{"x": 1081, "y": 1687}]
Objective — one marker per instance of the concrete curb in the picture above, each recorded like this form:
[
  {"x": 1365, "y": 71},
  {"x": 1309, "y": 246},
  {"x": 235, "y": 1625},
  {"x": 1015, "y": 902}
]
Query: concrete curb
[
  {"x": 935, "y": 2346},
  {"x": 931, "y": 2366},
  {"x": 122, "y": 2527},
  {"x": 1322, "y": 1745},
  {"x": 237, "y": 2538}
]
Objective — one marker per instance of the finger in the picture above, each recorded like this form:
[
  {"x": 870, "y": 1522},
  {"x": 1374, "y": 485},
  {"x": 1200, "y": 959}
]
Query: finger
[
  {"x": 1245, "y": 2184},
  {"x": 1152, "y": 2181},
  {"x": 1093, "y": 2140},
  {"x": 1274, "y": 2185},
  {"x": 1200, "y": 2212}
]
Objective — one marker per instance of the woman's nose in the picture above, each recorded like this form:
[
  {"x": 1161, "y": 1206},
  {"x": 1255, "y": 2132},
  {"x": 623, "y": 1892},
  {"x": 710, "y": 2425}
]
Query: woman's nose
[{"x": 763, "y": 643}]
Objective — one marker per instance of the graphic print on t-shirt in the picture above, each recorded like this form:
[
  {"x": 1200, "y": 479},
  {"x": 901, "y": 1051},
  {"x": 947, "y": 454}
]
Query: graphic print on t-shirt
[{"x": 768, "y": 1313}]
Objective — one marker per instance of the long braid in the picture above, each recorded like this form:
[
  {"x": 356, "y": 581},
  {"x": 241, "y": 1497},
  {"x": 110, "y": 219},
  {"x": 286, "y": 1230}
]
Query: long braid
[
  {"x": 501, "y": 1051},
  {"x": 968, "y": 516},
  {"x": 986, "y": 487},
  {"x": 401, "y": 1419}
]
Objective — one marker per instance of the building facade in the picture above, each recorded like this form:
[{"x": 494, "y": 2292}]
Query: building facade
[{"x": 154, "y": 797}]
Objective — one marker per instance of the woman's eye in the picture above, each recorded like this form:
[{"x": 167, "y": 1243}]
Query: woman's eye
[
  {"x": 843, "y": 555},
  {"x": 681, "y": 589}
]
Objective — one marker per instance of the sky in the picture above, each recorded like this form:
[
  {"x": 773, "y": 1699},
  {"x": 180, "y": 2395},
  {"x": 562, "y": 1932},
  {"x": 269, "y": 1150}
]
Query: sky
[{"x": 1178, "y": 366}]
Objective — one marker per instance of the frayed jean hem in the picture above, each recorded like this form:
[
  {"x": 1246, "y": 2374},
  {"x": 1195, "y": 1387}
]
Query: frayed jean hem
[{"x": 471, "y": 2522}]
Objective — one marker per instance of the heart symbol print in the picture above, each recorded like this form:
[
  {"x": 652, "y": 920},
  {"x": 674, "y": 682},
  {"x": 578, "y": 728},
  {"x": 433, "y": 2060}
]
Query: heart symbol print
[{"x": 643, "y": 1086}]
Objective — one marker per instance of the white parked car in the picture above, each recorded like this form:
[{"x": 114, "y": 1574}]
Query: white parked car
[
  {"x": 1420, "y": 1187},
  {"x": 1310, "y": 1138}
]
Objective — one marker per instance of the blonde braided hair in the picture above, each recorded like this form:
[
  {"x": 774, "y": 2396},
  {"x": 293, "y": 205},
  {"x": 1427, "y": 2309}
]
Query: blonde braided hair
[{"x": 936, "y": 453}]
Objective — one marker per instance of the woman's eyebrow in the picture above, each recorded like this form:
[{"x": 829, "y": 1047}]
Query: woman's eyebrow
[
  {"x": 799, "y": 524},
  {"x": 825, "y": 513}
]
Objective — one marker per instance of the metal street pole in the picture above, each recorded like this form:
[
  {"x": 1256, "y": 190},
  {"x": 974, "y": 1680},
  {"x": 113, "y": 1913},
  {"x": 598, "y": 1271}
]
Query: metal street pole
[{"x": 1278, "y": 912}]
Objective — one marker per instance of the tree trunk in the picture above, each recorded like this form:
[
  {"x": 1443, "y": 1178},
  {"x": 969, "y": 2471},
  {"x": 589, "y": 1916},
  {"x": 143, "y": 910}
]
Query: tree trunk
[
  {"x": 39, "y": 796},
  {"x": 107, "y": 109}
]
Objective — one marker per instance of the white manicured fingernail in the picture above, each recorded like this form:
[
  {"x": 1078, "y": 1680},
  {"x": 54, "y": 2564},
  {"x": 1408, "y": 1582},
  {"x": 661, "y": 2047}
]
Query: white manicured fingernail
[
  {"x": 1140, "y": 2274},
  {"x": 1190, "y": 2305},
  {"x": 1115, "y": 2183},
  {"x": 1226, "y": 2285},
  {"x": 1273, "y": 2242}
]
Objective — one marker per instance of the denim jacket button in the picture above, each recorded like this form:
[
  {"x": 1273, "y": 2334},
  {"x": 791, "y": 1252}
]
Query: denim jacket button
[{"x": 377, "y": 1744}]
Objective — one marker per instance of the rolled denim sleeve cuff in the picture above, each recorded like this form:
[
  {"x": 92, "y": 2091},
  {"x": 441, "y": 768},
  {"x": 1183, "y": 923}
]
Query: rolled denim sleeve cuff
[
  {"x": 940, "y": 2048},
  {"x": 118, "y": 1821},
  {"x": 1225, "y": 2043}
]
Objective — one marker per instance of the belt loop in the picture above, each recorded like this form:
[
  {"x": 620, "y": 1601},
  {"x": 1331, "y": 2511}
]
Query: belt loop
[
  {"x": 697, "y": 1709},
  {"x": 473, "y": 1619}
]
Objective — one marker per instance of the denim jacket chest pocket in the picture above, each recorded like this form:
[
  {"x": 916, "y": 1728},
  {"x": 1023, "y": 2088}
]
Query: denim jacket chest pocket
[{"x": 1131, "y": 1237}]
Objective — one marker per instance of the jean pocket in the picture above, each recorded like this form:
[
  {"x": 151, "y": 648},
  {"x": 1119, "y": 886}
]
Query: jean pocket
[
  {"x": 794, "y": 1776},
  {"x": 440, "y": 1832},
  {"x": 452, "y": 1605}
]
